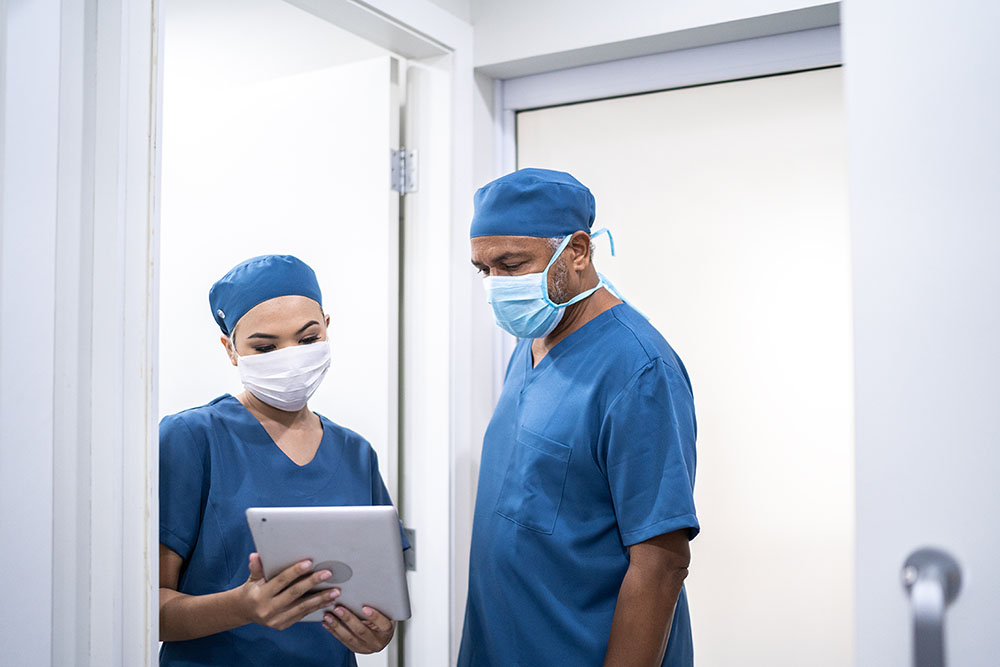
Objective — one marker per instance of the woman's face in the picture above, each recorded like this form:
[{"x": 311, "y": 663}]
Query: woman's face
[{"x": 276, "y": 323}]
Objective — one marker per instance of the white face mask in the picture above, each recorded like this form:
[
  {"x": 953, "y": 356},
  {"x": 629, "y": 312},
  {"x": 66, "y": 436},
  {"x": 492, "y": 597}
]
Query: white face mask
[{"x": 285, "y": 378}]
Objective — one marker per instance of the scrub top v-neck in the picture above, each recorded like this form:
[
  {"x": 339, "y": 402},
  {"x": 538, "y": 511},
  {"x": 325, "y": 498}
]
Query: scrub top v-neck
[
  {"x": 215, "y": 462},
  {"x": 588, "y": 452}
]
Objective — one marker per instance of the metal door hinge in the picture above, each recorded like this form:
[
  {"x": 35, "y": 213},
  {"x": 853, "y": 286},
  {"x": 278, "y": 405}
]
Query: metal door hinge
[{"x": 404, "y": 171}]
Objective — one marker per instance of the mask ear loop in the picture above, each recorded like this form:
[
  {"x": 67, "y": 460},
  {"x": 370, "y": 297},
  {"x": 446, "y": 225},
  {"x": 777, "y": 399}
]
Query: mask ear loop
[
  {"x": 545, "y": 273},
  {"x": 602, "y": 281}
]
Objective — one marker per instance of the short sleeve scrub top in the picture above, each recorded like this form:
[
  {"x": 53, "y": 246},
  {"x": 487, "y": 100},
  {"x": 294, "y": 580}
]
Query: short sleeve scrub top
[
  {"x": 216, "y": 461},
  {"x": 588, "y": 453}
]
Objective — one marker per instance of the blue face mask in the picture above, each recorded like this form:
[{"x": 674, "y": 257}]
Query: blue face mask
[{"x": 521, "y": 304}]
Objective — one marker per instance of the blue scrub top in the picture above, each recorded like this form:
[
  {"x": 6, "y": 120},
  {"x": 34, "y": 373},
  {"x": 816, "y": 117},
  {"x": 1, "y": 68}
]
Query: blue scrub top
[
  {"x": 591, "y": 451},
  {"x": 215, "y": 462}
]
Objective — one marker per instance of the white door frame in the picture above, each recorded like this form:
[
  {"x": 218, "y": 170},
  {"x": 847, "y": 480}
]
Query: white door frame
[
  {"x": 743, "y": 59},
  {"x": 98, "y": 444},
  {"x": 81, "y": 448},
  {"x": 427, "y": 35}
]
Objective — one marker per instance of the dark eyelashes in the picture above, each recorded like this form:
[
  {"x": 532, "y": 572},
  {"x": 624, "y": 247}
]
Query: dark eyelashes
[{"x": 269, "y": 348}]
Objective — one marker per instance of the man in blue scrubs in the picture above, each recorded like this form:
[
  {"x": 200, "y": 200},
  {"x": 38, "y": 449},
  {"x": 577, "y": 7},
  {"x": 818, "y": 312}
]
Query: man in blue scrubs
[{"x": 585, "y": 502}]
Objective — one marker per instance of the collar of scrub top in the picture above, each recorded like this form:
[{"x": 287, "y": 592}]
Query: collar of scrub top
[{"x": 257, "y": 280}]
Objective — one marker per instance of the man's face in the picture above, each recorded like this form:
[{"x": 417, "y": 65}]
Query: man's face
[{"x": 520, "y": 255}]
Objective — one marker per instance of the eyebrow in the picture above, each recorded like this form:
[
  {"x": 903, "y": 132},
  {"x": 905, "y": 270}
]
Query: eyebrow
[
  {"x": 272, "y": 337},
  {"x": 306, "y": 326}
]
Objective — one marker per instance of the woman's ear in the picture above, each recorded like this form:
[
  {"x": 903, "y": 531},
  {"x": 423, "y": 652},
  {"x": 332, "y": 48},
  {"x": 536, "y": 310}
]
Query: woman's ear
[
  {"x": 230, "y": 349},
  {"x": 327, "y": 320}
]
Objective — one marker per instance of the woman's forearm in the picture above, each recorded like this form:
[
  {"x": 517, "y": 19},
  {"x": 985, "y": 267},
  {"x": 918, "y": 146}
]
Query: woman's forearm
[{"x": 193, "y": 616}]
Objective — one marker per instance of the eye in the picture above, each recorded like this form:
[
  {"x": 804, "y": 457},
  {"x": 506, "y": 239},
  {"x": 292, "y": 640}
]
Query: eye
[
  {"x": 264, "y": 348},
  {"x": 309, "y": 339},
  {"x": 513, "y": 267},
  {"x": 483, "y": 272}
]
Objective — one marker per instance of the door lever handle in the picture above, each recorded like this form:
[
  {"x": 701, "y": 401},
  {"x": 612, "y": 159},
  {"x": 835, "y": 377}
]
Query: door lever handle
[{"x": 933, "y": 579}]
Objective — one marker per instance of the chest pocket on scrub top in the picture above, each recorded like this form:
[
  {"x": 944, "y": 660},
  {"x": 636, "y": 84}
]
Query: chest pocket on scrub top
[{"x": 532, "y": 489}]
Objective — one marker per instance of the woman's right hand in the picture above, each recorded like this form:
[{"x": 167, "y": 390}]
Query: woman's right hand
[{"x": 284, "y": 599}]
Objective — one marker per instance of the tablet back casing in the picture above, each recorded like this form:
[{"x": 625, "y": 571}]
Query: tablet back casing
[{"x": 359, "y": 545}]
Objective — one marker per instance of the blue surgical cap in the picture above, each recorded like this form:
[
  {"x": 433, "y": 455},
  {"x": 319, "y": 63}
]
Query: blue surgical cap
[
  {"x": 533, "y": 202},
  {"x": 255, "y": 281}
]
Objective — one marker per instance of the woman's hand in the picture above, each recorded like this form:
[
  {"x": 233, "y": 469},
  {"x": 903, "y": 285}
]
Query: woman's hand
[
  {"x": 368, "y": 635},
  {"x": 284, "y": 600}
]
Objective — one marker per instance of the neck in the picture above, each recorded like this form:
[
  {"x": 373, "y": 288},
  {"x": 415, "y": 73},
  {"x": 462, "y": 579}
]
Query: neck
[
  {"x": 264, "y": 412},
  {"x": 574, "y": 318}
]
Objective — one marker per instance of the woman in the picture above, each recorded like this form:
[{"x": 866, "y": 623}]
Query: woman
[{"x": 261, "y": 448}]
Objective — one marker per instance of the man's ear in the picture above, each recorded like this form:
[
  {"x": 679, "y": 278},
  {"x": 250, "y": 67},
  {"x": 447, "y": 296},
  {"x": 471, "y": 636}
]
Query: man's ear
[
  {"x": 230, "y": 349},
  {"x": 580, "y": 244}
]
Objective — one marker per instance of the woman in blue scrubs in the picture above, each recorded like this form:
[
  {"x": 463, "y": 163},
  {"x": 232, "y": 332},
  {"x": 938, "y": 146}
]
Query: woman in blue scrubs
[{"x": 263, "y": 447}]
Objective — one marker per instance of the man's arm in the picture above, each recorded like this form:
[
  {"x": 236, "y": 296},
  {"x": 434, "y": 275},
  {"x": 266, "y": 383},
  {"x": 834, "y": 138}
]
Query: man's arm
[{"x": 646, "y": 601}]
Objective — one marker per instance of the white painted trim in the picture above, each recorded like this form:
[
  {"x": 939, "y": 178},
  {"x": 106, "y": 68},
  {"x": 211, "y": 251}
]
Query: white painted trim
[
  {"x": 368, "y": 23},
  {"x": 804, "y": 18},
  {"x": 124, "y": 561},
  {"x": 807, "y": 49},
  {"x": 74, "y": 266},
  {"x": 425, "y": 454}
]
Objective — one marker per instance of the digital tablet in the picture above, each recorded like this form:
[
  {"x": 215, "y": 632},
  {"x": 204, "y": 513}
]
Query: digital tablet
[{"x": 360, "y": 546}]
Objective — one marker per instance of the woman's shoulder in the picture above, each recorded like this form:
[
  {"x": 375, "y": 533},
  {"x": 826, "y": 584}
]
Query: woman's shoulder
[
  {"x": 196, "y": 421},
  {"x": 350, "y": 439}
]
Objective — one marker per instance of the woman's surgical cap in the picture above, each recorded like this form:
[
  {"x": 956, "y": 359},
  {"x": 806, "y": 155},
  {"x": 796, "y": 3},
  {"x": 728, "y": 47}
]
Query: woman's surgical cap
[
  {"x": 533, "y": 202},
  {"x": 256, "y": 280}
]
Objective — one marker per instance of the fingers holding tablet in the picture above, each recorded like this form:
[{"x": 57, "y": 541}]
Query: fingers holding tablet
[
  {"x": 368, "y": 635},
  {"x": 284, "y": 599}
]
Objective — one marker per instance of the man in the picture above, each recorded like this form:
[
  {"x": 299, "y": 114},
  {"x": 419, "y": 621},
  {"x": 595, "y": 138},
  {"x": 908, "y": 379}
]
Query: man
[{"x": 585, "y": 502}]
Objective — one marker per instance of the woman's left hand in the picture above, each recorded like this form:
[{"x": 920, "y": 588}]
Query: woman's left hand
[{"x": 361, "y": 635}]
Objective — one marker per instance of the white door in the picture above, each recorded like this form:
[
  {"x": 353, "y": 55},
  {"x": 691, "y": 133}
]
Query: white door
[
  {"x": 300, "y": 165},
  {"x": 728, "y": 205}
]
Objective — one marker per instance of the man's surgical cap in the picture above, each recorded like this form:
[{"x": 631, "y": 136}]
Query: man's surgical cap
[
  {"x": 256, "y": 280},
  {"x": 533, "y": 202}
]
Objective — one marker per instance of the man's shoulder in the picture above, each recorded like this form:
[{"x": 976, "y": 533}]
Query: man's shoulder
[{"x": 635, "y": 343}]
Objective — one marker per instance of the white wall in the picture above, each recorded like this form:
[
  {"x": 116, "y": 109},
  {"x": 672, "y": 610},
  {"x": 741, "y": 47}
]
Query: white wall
[
  {"x": 923, "y": 98},
  {"x": 226, "y": 43},
  {"x": 461, "y": 9}
]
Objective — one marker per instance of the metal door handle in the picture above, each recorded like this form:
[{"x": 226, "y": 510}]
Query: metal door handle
[{"x": 933, "y": 579}]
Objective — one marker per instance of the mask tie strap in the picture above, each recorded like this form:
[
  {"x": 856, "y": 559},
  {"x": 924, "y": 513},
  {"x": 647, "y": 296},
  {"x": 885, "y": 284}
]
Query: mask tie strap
[{"x": 607, "y": 232}]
